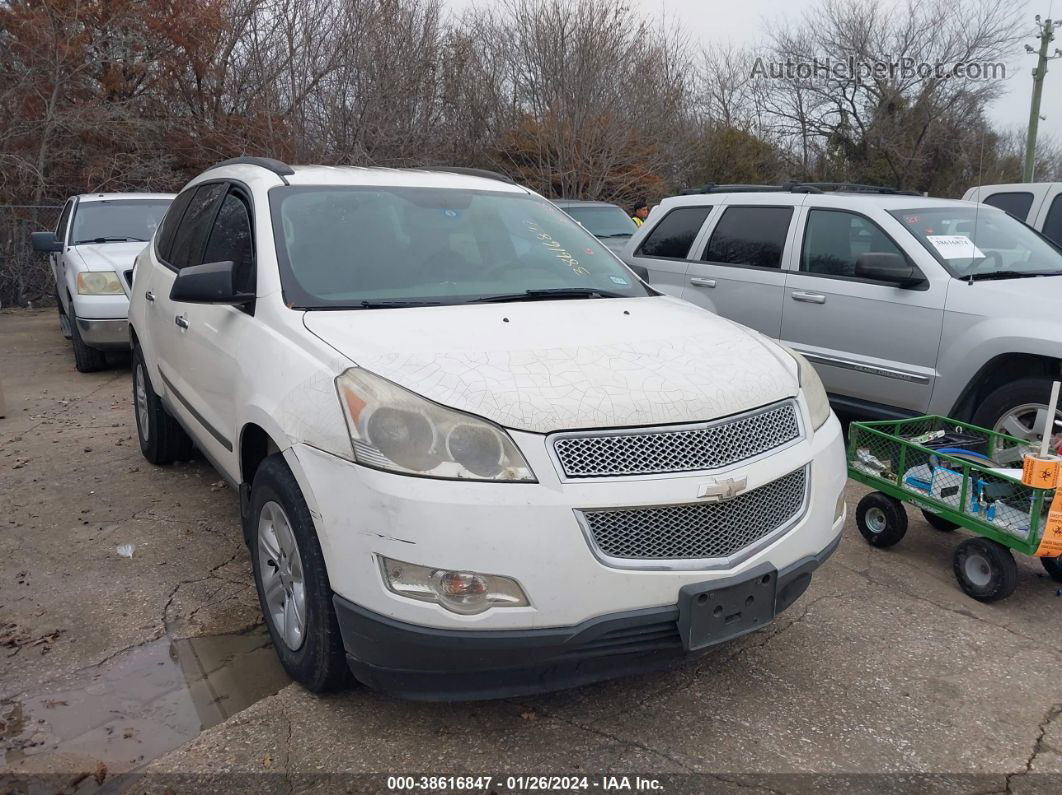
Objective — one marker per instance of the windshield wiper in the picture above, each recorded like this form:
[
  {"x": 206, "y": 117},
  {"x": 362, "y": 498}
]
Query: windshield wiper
[
  {"x": 392, "y": 304},
  {"x": 616, "y": 234},
  {"x": 991, "y": 275},
  {"x": 111, "y": 240},
  {"x": 548, "y": 294}
]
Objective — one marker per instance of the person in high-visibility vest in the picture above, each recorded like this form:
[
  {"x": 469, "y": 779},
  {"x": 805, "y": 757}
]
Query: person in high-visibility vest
[{"x": 639, "y": 212}]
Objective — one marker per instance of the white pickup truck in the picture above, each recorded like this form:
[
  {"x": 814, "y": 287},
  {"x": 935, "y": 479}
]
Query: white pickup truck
[
  {"x": 94, "y": 243},
  {"x": 1038, "y": 204}
]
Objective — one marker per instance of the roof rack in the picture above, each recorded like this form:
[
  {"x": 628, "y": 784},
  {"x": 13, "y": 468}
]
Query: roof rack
[
  {"x": 799, "y": 187},
  {"x": 278, "y": 167},
  {"x": 469, "y": 172}
]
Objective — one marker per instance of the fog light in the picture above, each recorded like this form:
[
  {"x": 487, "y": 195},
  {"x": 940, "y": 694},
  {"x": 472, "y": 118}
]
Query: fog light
[
  {"x": 464, "y": 592},
  {"x": 838, "y": 512}
]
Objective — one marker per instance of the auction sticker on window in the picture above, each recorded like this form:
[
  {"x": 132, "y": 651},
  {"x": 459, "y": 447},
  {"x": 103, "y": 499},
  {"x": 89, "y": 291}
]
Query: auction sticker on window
[{"x": 955, "y": 247}]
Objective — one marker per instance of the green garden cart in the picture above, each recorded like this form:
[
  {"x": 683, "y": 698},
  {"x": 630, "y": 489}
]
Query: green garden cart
[{"x": 961, "y": 477}]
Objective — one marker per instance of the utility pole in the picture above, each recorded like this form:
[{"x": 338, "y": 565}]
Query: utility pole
[{"x": 1046, "y": 36}]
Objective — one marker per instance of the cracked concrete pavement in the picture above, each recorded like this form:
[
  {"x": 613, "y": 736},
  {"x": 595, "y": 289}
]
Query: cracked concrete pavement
[{"x": 883, "y": 667}]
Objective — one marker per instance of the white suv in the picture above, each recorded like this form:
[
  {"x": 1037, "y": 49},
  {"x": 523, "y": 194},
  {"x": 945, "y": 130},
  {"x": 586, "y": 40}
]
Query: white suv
[{"x": 476, "y": 456}]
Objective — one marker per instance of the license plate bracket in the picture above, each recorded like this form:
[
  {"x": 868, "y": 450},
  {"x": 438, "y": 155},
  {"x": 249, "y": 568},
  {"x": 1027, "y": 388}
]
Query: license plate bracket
[{"x": 714, "y": 612}]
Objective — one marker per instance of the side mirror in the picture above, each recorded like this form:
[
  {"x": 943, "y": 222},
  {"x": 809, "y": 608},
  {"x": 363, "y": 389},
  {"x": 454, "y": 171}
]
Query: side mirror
[
  {"x": 211, "y": 283},
  {"x": 46, "y": 242},
  {"x": 886, "y": 266}
]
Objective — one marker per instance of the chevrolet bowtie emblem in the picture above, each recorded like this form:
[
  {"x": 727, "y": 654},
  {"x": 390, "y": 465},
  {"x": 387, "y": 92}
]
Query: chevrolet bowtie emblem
[{"x": 723, "y": 489}]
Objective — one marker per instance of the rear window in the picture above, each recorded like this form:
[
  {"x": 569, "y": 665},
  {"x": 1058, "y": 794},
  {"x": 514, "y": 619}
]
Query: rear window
[
  {"x": 750, "y": 236},
  {"x": 1053, "y": 224},
  {"x": 1017, "y": 203},
  {"x": 673, "y": 236}
]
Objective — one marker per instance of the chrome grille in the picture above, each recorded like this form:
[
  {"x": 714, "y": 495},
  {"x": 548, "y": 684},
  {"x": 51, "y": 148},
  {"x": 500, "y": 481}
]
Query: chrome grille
[
  {"x": 698, "y": 530},
  {"x": 688, "y": 449}
]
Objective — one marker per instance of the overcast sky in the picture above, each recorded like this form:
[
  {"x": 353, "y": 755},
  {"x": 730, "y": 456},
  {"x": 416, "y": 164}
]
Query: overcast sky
[{"x": 742, "y": 22}]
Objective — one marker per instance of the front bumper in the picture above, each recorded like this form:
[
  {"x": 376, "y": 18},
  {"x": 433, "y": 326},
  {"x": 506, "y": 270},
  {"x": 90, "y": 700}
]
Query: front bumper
[
  {"x": 107, "y": 334},
  {"x": 429, "y": 664}
]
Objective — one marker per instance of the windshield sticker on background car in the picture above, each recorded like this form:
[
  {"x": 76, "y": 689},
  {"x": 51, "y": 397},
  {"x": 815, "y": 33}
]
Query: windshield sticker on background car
[
  {"x": 563, "y": 254},
  {"x": 955, "y": 247},
  {"x": 619, "y": 280}
]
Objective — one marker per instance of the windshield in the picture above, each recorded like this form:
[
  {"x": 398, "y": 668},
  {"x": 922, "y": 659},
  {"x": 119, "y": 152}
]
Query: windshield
[
  {"x": 353, "y": 247},
  {"x": 603, "y": 221},
  {"x": 117, "y": 220},
  {"x": 978, "y": 242}
]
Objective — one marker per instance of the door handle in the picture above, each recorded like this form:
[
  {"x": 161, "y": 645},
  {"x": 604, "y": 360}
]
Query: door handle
[
  {"x": 181, "y": 321},
  {"x": 696, "y": 281},
  {"x": 150, "y": 296},
  {"x": 809, "y": 298}
]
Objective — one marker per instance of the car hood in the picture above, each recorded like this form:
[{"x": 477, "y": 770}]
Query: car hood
[
  {"x": 1027, "y": 298},
  {"x": 116, "y": 257},
  {"x": 545, "y": 366}
]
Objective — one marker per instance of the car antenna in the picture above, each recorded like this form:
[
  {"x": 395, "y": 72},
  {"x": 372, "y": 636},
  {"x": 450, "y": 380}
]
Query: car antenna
[{"x": 977, "y": 207}]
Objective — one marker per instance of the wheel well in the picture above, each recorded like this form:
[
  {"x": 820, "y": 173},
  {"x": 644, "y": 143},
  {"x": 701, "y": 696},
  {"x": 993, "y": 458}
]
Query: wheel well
[
  {"x": 999, "y": 371},
  {"x": 255, "y": 446},
  {"x": 134, "y": 340}
]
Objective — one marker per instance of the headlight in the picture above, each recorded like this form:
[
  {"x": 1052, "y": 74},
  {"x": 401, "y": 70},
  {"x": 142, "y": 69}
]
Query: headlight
[
  {"x": 464, "y": 592},
  {"x": 99, "y": 283},
  {"x": 394, "y": 429},
  {"x": 814, "y": 392}
]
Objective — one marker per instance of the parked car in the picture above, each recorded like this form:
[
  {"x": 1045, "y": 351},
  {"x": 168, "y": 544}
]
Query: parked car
[
  {"x": 475, "y": 455},
  {"x": 605, "y": 221},
  {"x": 1039, "y": 204},
  {"x": 906, "y": 305},
  {"x": 93, "y": 246}
]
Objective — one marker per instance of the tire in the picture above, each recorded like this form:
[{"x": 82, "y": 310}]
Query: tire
[
  {"x": 1004, "y": 409},
  {"x": 881, "y": 519},
  {"x": 314, "y": 655},
  {"x": 939, "y": 522},
  {"x": 1053, "y": 567},
  {"x": 985, "y": 569},
  {"x": 162, "y": 439},
  {"x": 86, "y": 359}
]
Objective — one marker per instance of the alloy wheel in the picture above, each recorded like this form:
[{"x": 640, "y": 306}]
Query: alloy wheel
[{"x": 280, "y": 568}]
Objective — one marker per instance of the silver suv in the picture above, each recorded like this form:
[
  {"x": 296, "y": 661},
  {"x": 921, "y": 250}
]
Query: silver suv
[{"x": 905, "y": 304}]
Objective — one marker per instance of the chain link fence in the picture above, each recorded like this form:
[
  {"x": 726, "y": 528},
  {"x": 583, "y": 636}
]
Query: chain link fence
[{"x": 25, "y": 275}]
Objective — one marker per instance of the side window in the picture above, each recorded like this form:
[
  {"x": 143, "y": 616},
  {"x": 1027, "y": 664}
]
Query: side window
[
  {"x": 673, "y": 236},
  {"x": 190, "y": 237},
  {"x": 64, "y": 221},
  {"x": 164, "y": 237},
  {"x": 835, "y": 240},
  {"x": 1016, "y": 203},
  {"x": 1053, "y": 222},
  {"x": 751, "y": 236},
  {"x": 231, "y": 239}
]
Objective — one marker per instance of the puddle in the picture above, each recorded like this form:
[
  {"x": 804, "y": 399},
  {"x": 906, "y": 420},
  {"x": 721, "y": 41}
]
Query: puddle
[{"x": 137, "y": 706}]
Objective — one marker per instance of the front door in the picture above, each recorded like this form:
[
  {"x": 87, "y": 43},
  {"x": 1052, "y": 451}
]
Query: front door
[{"x": 873, "y": 342}]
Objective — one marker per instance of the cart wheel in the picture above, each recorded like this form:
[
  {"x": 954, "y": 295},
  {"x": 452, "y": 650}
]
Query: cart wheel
[
  {"x": 938, "y": 522},
  {"x": 1053, "y": 567},
  {"x": 881, "y": 519},
  {"x": 985, "y": 569}
]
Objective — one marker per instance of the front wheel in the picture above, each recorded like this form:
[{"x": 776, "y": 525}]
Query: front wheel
[
  {"x": 985, "y": 569},
  {"x": 293, "y": 586},
  {"x": 1018, "y": 409},
  {"x": 86, "y": 359},
  {"x": 881, "y": 519},
  {"x": 1053, "y": 567},
  {"x": 938, "y": 522}
]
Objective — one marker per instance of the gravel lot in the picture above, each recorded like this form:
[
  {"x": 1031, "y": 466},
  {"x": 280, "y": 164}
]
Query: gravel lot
[{"x": 883, "y": 668}]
